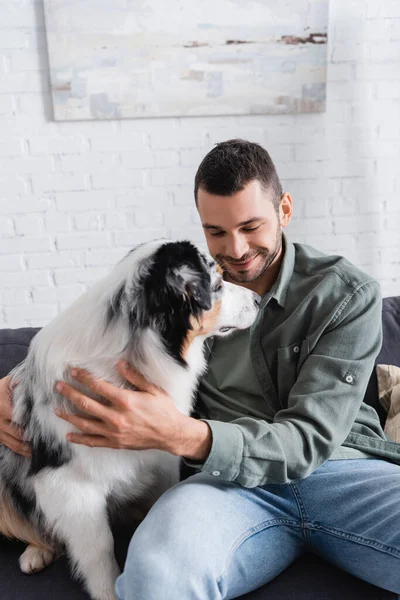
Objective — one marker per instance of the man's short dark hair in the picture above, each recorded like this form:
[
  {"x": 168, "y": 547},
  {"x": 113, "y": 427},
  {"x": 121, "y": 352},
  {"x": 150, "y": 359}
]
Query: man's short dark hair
[{"x": 231, "y": 165}]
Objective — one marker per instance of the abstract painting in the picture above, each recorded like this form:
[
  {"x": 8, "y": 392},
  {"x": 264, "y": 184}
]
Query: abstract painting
[{"x": 112, "y": 59}]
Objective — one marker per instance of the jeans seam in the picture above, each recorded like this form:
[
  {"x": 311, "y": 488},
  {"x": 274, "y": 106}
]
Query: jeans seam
[
  {"x": 249, "y": 533},
  {"x": 352, "y": 537},
  {"x": 303, "y": 514}
]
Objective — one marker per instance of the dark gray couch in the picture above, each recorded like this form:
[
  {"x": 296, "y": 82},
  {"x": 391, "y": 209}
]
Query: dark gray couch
[{"x": 308, "y": 578}]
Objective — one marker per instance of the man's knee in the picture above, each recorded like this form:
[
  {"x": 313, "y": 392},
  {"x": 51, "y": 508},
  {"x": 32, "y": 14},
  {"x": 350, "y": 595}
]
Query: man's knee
[
  {"x": 181, "y": 523},
  {"x": 187, "y": 503},
  {"x": 164, "y": 549}
]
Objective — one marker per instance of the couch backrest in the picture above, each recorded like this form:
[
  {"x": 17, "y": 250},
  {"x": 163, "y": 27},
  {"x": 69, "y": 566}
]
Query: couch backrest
[{"x": 14, "y": 344}]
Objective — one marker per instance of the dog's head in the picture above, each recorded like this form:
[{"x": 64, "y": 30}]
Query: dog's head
[{"x": 179, "y": 293}]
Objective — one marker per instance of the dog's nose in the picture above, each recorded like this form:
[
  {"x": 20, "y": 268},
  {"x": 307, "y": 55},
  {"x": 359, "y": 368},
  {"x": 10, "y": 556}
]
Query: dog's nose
[{"x": 256, "y": 299}]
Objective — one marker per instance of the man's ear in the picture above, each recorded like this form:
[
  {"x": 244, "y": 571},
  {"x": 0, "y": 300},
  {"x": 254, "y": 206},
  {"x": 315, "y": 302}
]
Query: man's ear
[
  {"x": 285, "y": 209},
  {"x": 190, "y": 286}
]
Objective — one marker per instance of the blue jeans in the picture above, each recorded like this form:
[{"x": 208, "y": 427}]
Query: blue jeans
[{"x": 210, "y": 539}]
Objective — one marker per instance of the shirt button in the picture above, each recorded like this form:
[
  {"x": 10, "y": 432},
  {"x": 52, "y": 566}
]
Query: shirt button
[
  {"x": 349, "y": 378},
  {"x": 216, "y": 473},
  {"x": 296, "y": 349}
]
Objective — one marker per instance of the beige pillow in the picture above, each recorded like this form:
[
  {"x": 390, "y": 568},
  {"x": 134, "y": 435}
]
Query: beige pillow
[{"x": 389, "y": 396}]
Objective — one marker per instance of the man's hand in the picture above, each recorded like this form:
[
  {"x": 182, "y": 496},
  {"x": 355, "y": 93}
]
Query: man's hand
[
  {"x": 135, "y": 420},
  {"x": 10, "y": 435}
]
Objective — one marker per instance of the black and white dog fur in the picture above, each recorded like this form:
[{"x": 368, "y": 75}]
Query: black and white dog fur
[{"x": 155, "y": 309}]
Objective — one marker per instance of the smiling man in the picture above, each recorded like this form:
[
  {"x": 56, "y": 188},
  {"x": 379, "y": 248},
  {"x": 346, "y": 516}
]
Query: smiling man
[
  {"x": 248, "y": 250},
  {"x": 285, "y": 455}
]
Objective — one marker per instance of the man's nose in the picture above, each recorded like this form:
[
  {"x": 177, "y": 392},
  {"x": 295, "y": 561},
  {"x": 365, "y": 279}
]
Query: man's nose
[{"x": 237, "y": 247}]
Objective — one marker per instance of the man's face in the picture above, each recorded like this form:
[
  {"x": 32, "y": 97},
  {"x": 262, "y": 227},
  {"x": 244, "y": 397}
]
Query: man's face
[{"x": 244, "y": 231}]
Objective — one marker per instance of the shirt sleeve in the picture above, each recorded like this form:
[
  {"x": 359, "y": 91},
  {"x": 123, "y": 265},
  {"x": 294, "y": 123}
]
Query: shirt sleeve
[{"x": 322, "y": 405}]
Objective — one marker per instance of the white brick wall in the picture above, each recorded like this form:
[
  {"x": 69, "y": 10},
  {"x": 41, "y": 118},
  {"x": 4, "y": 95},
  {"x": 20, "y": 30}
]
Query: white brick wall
[{"x": 74, "y": 197}]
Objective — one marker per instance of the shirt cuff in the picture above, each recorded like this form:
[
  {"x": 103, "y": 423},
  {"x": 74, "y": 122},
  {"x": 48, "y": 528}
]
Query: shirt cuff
[{"x": 226, "y": 452}]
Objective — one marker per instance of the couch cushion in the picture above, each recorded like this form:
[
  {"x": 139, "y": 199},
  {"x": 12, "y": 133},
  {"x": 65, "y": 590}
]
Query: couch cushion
[
  {"x": 55, "y": 581},
  {"x": 309, "y": 578},
  {"x": 312, "y": 578}
]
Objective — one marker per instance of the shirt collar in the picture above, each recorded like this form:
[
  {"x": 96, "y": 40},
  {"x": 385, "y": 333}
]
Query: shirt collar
[{"x": 280, "y": 288}]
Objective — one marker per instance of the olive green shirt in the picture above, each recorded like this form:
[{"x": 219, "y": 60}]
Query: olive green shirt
[
  {"x": 232, "y": 390},
  {"x": 312, "y": 350}
]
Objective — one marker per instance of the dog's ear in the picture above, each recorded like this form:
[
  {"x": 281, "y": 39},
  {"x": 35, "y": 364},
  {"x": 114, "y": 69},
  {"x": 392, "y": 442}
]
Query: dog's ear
[{"x": 191, "y": 286}]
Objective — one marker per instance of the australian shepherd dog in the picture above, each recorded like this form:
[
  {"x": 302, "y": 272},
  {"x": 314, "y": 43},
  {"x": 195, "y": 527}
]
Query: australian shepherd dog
[{"x": 155, "y": 309}]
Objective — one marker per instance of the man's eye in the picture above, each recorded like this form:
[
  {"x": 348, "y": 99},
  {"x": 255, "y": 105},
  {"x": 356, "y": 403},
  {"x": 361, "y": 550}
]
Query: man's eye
[
  {"x": 248, "y": 229},
  {"x": 217, "y": 233}
]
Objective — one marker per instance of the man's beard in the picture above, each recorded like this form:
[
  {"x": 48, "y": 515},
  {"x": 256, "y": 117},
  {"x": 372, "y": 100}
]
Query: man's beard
[{"x": 247, "y": 276}]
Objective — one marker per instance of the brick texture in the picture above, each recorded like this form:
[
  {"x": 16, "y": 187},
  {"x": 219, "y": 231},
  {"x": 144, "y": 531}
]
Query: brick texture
[{"x": 75, "y": 196}]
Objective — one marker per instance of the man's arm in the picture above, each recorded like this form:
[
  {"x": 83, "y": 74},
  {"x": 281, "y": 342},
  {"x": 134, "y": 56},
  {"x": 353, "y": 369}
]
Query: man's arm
[
  {"x": 194, "y": 441},
  {"x": 322, "y": 405},
  {"x": 11, "y": 435}
]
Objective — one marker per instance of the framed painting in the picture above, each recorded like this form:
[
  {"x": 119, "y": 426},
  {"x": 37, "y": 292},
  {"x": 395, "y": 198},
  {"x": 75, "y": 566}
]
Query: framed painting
[{"x": 112, "y": 59}]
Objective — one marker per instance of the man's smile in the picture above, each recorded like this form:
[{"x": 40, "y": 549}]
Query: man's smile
[{"x": 243, "y": 265}]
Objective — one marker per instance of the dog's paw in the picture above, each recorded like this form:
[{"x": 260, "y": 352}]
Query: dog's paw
[{"x": 35, "y": 559}]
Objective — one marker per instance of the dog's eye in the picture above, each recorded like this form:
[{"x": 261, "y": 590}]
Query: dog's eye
[{"x": 217, "y": 287}]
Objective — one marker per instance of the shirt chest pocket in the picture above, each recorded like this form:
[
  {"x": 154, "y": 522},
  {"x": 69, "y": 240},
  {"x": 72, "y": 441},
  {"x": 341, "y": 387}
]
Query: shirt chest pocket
[{"x": 290, "y": 360}]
